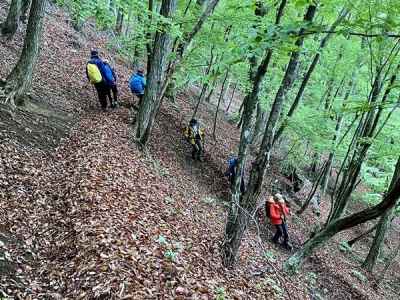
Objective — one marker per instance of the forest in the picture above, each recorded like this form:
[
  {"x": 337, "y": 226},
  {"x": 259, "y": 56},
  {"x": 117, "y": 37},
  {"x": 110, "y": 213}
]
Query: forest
[{"x": 303, "y": 94}]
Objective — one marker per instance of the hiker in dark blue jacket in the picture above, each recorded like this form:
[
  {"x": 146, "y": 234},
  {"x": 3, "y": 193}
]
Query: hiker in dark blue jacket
[
  {"x": 231, "y": 173},
  {"x": 111, "y": 80},
  {"x": 96, "y": 77},
  {"x": 137, "y": 84}
]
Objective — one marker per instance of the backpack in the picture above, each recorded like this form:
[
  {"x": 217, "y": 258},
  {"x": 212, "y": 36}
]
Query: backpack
[
  {"x": 108, "y": 75},
  {"x": 267, "y": 210},
  {"x": 93, "y": 73},
  {"x": 136, "y": 84}
]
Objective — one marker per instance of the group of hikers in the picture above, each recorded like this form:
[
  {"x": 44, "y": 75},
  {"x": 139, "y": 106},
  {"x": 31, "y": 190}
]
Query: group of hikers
[
  {"x": 275, "y": 207},
  {"x": 103, "y": 77}
]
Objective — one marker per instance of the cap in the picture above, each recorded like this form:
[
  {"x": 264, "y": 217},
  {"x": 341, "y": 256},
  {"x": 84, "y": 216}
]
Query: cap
[{"x": 280, "y": 198}]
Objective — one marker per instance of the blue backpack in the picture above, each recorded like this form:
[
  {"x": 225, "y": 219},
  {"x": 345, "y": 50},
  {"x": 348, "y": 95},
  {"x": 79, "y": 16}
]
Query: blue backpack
[
  {"x": 136, "y": 84},
  {"x": 108, "y": 75}
]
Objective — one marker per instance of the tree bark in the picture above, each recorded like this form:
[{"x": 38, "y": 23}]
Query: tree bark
[
  {"x": 380, "y": 233},
  {"x": 221, "y": 96},
  {"x": 232, "y": 95},
  {"x": 19, "y": 81},
  {"x": 152, "y": 100},
  {"x": 10, "y": 26},
  {"x": 120, "y": 21},
  {"x": 25, "y": 10},
  {"x": 340, "y": 224}
]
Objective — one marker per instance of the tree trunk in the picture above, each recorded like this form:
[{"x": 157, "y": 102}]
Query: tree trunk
[
  {"x": 261, "y": 118},
  {"x": 120, "y": 21},
  {"x": 25, "y": 10},
  {"x": 380, "y": 233},
  {"x": 340, "y": 224},
  {"x": 152, "y": 100},
  {"x": 309, "y": 72},
  {"x": 19, "y": 81},
  {"x": 10, "y": 26},
  {"x": 221, "y": 96},
  {"x": 247, "y": 202},
  {"x": 232, "y": 95},
  {"x": 366, "y": 130}
]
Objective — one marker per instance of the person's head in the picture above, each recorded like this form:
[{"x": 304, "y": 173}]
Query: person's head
[
  {"x": 193, "y": 122},
  {"x": 279, "y": 198},
  {"x": 140, "y": 71},
  {"x": 270, "y": 200},
  {"x": 94, "y": 53}
]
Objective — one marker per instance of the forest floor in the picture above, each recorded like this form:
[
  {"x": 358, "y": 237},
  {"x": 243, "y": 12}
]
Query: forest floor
[{"x": 85, "y": 215}]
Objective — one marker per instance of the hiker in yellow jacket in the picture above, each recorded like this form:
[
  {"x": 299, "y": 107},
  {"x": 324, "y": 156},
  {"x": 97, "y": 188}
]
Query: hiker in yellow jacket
[{"x": 195, "y": 136}]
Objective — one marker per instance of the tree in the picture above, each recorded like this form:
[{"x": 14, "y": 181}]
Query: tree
[
  {"x": 152, "y": 100},
  {"x": 10, "y": 26},
  {"x": 380, "y": 233},
  {"x": 340, "y": 224},
  {"x": 19, "y": 81},
  {"x": 157, "y": 81}
]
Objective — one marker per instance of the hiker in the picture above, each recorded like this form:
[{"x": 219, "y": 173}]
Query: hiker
[
  {"x": 111, "y": 81},
  {"x": 195, "y": 136},
  {"x": 137, "y": 84},
  {"x": 231, "y": 172},
  {"x": 95, "y": 75},
  {"x": 277, "y": 211}
]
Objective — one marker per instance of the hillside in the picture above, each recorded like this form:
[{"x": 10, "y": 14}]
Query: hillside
[{"x": 85, "y": 215}]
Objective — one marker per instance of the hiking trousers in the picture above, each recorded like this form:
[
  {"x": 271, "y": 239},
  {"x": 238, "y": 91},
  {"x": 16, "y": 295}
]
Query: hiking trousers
[
  {"x": 281, "y": 230},
  {"x": 102, "y": 91},
  {"x": 197, "y": 149},
  {"x": 114, "y": 98}
]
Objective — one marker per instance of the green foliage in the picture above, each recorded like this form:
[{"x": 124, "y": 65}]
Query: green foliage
[{"x": 220, "y": 293}]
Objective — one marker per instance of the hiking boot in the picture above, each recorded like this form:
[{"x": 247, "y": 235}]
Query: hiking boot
[{"x": 287, "y": 247}]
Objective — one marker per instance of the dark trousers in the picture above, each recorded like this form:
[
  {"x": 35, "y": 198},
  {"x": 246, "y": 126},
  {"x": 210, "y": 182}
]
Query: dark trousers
[
  {"x": 102, "y": 90},
  {"x": 140, "y": 97},
  {"x": 281, "y": 230},
  {"x": 197, "y": 149},
  {"x": 114, "y": 90}
]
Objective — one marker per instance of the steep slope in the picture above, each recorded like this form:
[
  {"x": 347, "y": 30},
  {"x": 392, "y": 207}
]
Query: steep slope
[{"x": 97, "y": 219}]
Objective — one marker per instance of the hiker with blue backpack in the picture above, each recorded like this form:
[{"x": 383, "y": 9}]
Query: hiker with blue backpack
[
  {"x": 95, "y": 74},
  {"x": 111, "y": 81},
  {"x": 232, "y": 171},
  {"x": 137, "y": 84}
]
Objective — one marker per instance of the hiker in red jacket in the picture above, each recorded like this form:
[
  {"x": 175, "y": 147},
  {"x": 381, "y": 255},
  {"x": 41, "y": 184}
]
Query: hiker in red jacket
[{"x": 278, "y": 211}]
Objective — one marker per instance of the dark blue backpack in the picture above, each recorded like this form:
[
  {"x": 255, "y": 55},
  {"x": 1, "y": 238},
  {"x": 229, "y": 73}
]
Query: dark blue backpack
[
  {"x": 108, "y": 75},
  {"x": 136, "y": 84}
]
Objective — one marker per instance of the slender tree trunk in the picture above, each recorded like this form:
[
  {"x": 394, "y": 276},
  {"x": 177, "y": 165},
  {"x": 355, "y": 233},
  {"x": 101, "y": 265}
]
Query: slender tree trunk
[
  {"x": 25, "y": 10},
  {"x": 309, "y": 72},
  {"x": 380, "y": 233},
  {"x": 388, "y": 263},
  {"x": 10, "y": 26},
  {"x": 237, "y": 218},
  {"x": 19, "y": 81},
  {"x": 120, "y": 21},
  {"x": 261, "y": 118},
  {"x": 366, "y": 130},
  {"x": 232, "y": 95},
  {"x": 151, "y": 101},
  {"x": 337, "y": 225},
  {"x": 221, "y": 96}
]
